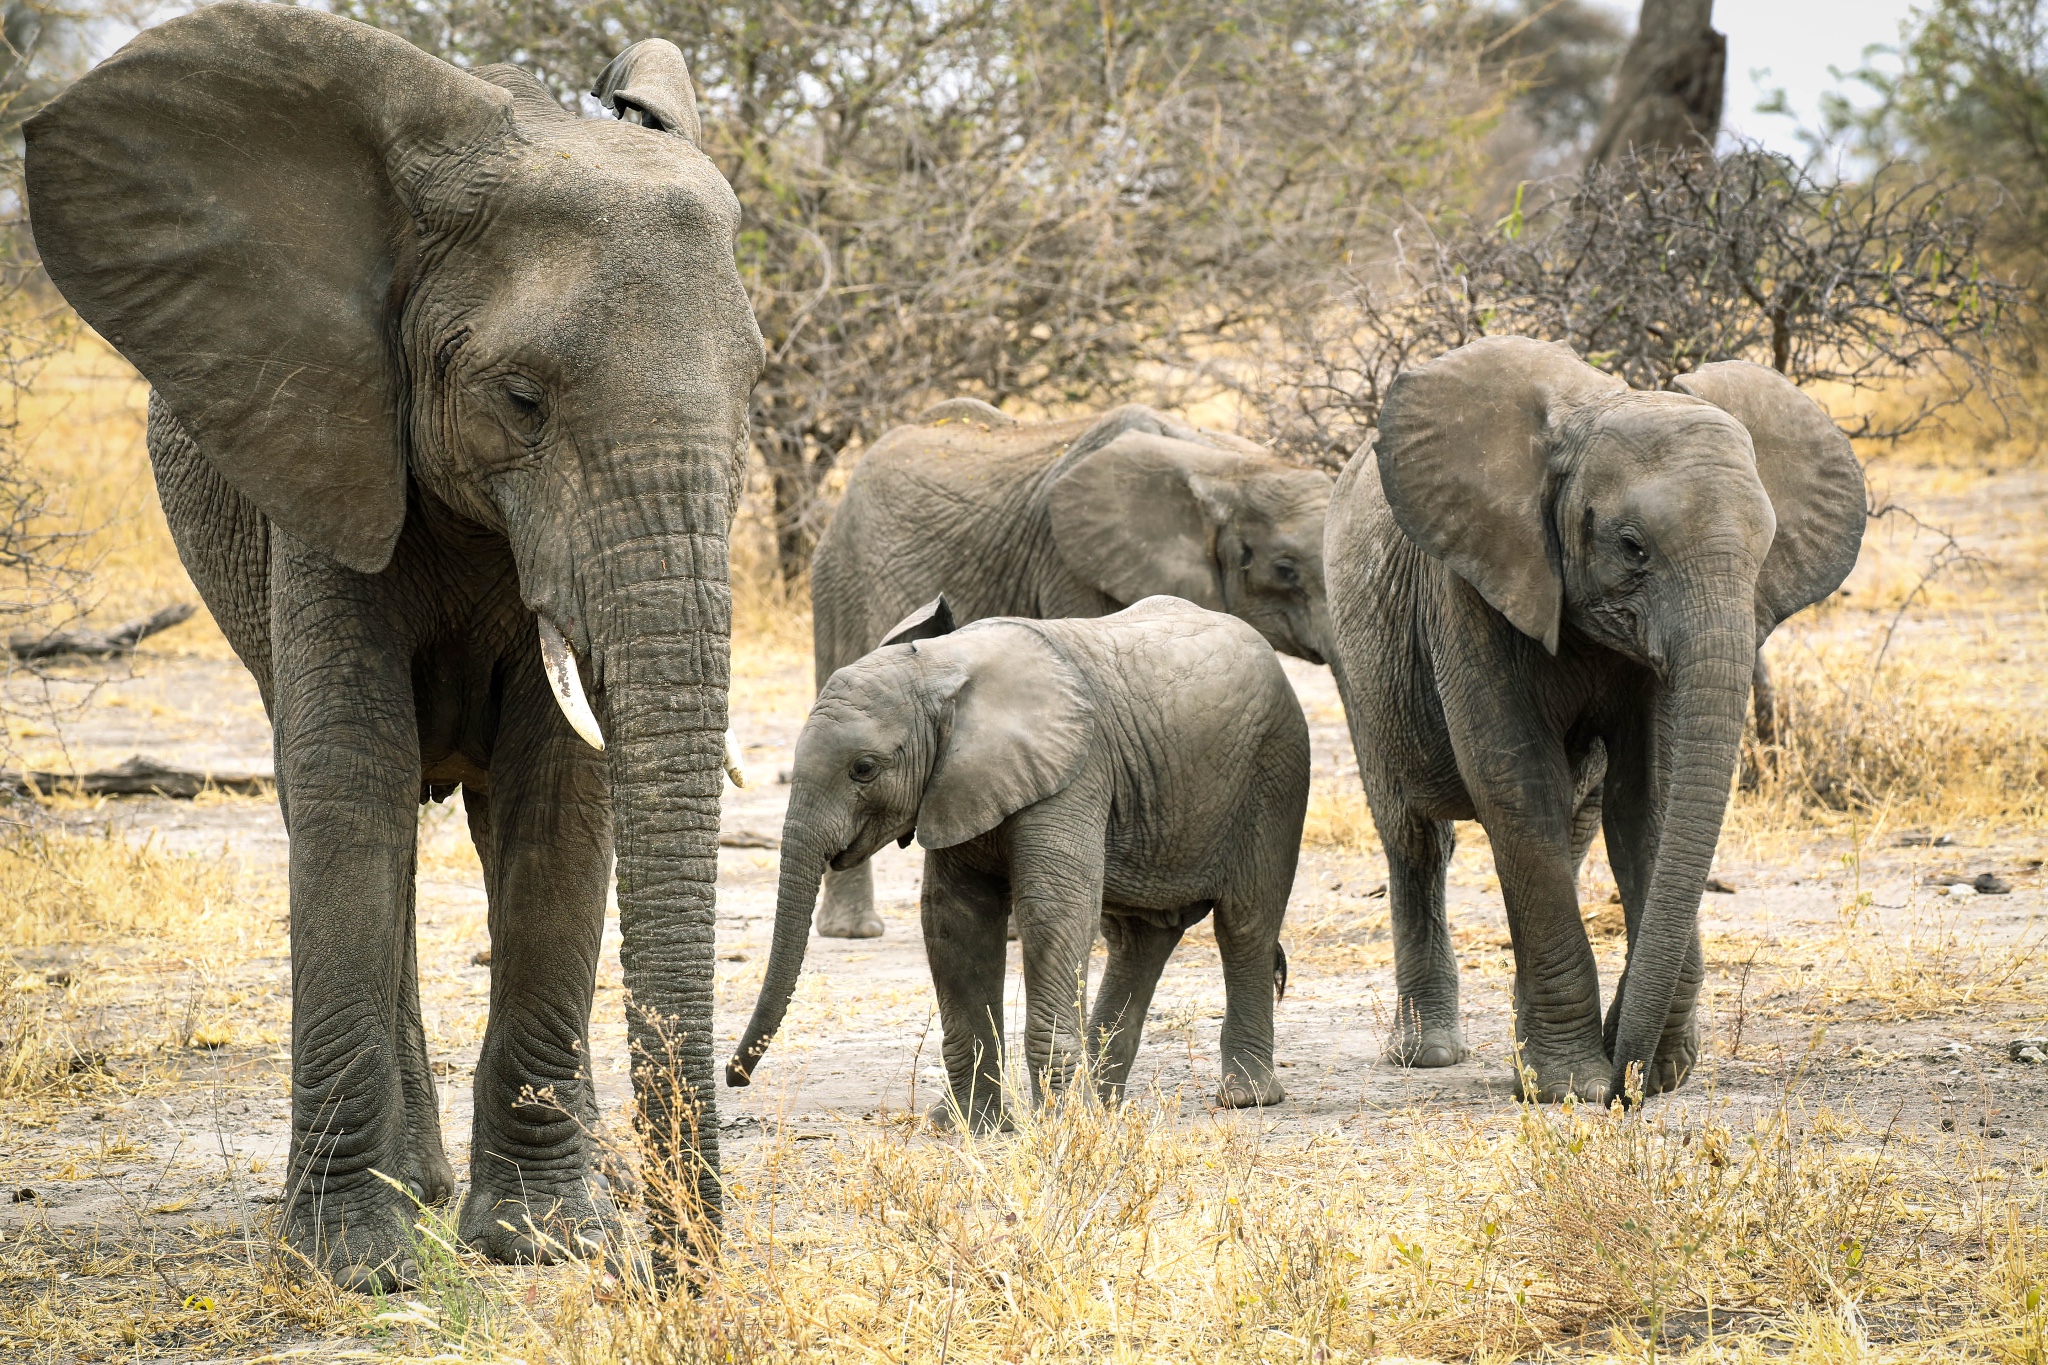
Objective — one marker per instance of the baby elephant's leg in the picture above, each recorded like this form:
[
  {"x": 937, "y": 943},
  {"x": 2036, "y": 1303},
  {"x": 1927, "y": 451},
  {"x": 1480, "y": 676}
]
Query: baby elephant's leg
[
  {"x": 1138, "y": 949},
  {"x": 963, "y": 940},
  {"x": 1249, "y": 941}
]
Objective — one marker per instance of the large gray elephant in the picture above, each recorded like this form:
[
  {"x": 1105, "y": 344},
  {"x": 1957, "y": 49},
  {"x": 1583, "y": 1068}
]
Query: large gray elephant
[
  {"x": 1065, "y": 519},
  {"x": 1137, "y": 771},
  {"x": 447, "y": 383},
  {"x": 1535, "y": 572}
]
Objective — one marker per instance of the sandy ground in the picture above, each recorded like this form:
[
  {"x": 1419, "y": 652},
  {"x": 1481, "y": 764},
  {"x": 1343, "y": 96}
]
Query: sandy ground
[{"x": 1804, "y": 980}]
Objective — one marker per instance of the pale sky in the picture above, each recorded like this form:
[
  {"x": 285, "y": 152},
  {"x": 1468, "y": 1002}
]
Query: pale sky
[{"x": 1792, "y": 43}]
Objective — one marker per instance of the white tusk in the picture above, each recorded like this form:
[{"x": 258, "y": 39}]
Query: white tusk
[
  {"x": 733, "y": 769},
  {"x": 567, "y": 683}
]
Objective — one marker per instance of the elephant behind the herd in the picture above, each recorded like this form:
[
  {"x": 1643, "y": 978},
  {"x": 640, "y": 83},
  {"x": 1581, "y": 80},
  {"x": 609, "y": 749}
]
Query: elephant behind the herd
[
  {"x": 1062, "y": 519},
  {"x": 438, "y": 367}
]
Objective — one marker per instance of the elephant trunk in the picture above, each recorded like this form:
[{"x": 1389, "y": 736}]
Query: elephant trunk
[
  {"x": 1706, "y": 696},
  {"x": 659, "y": 628},
  {"x": 803, "y": 867}
]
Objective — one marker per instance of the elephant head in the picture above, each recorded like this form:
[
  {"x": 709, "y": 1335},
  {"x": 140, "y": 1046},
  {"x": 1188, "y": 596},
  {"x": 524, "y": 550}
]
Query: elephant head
[
  {"x": 1217, "y": 522},
  {"x": 372, "y": 286},
  {"x": 937, "y": 734},
  {"x": 1676, "y": 529}
]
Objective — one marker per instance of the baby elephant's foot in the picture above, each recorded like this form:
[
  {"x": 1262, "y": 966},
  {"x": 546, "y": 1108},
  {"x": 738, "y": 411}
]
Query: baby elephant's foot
[
  {"x": 1429, "y": 1047},
  {"x": 848, "y": 922},
  {"x": 1248, "y": 1087}
]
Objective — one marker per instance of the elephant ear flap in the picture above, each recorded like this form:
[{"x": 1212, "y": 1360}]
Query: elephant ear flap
[
  {"x": 928, "y": 622},
  {"x": 1464, "y": 457},
  {"x": 649, "y": 84},
  {"x": 1138, "y": 517},
  {"x": 1016, "y": 726},
  {"x": 226, "y": 200},
  {"x": 1810, "y": 472}
]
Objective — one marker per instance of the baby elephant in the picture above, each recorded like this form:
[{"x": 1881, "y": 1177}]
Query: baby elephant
[{"x": 1145, "y": 767}]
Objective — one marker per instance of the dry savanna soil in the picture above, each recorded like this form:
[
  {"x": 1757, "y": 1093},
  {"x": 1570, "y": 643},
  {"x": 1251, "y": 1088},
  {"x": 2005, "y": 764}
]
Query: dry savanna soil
[{"x": 1855, "y": 1171}]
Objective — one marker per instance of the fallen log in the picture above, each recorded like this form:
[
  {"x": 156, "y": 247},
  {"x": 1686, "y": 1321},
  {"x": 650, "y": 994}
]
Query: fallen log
[
  {"x": 141, "y": 776},
  {"x": 97, "y": 644}
]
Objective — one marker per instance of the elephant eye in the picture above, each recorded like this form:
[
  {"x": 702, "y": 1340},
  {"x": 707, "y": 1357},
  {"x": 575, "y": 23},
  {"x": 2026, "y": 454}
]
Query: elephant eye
[
  {"x": 1633, "y": 548},
  {"x": 864, "y": 768},
  {"x": 523, "y": 401},
  {"x": 1287, "y": 573}
]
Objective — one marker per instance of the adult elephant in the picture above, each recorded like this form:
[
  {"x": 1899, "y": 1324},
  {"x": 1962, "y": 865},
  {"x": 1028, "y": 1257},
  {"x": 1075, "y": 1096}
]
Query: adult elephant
[
  {"x": 1535, "y": 572},
  {"x": 1061, "y": 519},
  {"x": 446, "y": 382}
]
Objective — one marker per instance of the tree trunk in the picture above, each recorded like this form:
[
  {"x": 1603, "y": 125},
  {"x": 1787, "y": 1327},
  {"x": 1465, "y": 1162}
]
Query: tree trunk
[{"x": 1667, "y": 95}]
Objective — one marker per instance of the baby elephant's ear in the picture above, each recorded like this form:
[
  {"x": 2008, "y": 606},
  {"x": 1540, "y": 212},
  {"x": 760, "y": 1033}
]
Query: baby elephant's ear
[
  {"x": 649, "y": 84},
  {"x": 1810, "y": 472},
  {"x": 1015, "y": 728},
  {"x": 928, "y": 622}
]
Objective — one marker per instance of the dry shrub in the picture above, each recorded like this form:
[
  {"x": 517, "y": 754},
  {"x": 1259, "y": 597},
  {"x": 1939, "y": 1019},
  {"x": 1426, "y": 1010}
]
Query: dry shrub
[
  {"x": 1338, "y": 817},
  {"x": 1933, "y": 957},
  {"x": 61, "y": 887}
]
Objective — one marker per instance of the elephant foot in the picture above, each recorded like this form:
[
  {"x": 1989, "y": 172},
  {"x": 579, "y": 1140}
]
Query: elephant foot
[
  {"x": 364, "y": 1246},
  {"x": 1249, "y": 1087},
  {"x": 1585, "y": 1078},
  {"x": 1429, "y": 1047},
  {"x": 532, "y": 1227},
  {"x": 849, "y": 924},
  {"x": 433, "y": 1179},
  {"x": 1677, "y": 1053},
  {"x": 944, "y": 1117}
]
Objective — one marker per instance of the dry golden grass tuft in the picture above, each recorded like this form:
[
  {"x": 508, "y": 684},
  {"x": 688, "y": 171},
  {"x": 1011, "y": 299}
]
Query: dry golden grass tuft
[{"x": 1139, "y": 1233}]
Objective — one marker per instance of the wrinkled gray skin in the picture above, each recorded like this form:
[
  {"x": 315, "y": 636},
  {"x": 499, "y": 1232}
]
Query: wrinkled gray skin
[
  {"x": 1137, "y": 770},
  {"x": 433, "y": 360},
  {"x": 1548, "y": 592},
  {"x": 1065, "y": 519}
]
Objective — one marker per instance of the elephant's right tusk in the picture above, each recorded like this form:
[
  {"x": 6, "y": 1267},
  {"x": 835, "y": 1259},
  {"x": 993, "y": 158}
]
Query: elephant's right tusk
[
  {"x": 733, "y": 769},
  {"x": 567, "y": 684}
]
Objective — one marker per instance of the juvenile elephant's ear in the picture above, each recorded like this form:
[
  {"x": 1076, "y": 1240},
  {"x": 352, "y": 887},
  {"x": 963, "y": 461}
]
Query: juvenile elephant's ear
[
  {"x": 1138, "y": 517},
  {"x": 649, "y": 84},
  {"x": 1464, "y": 456},
  {"x": 1016, "y": 727},
  {"x": 229, "y": 201},
  {"x": 1810, "y": 472},
  {"x": 928, "y": 622}
]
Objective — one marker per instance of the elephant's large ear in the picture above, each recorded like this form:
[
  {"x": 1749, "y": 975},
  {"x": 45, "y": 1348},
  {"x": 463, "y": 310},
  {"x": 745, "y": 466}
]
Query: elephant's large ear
[
  {"x": 649, "y": 84},
  {"x": 1464, "y": 456},
  {"x": 229, "y": 201},
  {"x": 1810, "y": 472},
  {"x": 1139, "y": 516},
  {"x": 1016, "y": 728}
]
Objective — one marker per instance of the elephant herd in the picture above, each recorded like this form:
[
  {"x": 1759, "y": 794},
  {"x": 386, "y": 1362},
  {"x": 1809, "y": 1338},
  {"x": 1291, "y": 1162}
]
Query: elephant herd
[{"x": 449, "y": 401}]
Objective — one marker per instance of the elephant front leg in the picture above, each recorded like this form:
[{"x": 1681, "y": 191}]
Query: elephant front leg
[
  {"x": 1056, "y": 862},
  {"x": 1557, "y": 981},
  {"x": 1427, "y": 1028},
  {"x": 545, "y": 834},
  {"x": 430, "y": 1178},
  {"x": 1138, "y": 951},
  {"x": 964, "y": 912},
  {"x": 348, "y": 758},
  {"x": 846, "y": 905}
]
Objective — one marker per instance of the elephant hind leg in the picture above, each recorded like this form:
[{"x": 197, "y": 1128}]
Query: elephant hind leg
[
  {"x": 1248, "y": 938},
  {"x": 1427, "y": 1029},
  {"x": 1139, "y": 946},
  {"x": 430, "y": 1177}
]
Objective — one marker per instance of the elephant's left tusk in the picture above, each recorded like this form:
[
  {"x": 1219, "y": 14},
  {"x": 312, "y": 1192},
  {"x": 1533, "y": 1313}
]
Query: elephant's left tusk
[
  {"x": 733, "y": 769},
  {"x": 567, "y": 684}
]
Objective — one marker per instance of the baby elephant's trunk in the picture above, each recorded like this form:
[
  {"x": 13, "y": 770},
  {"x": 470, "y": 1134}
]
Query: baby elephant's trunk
[{"x": 797, "y": 895}]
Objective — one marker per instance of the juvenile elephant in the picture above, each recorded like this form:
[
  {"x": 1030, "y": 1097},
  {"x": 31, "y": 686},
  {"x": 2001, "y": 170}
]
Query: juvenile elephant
[
  {"x": 1535, "y": 570},
  {"x": 1066, "y": 519},
  {"x": 449, "y": 389},
  {"x": 1141, "y": 770}
]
